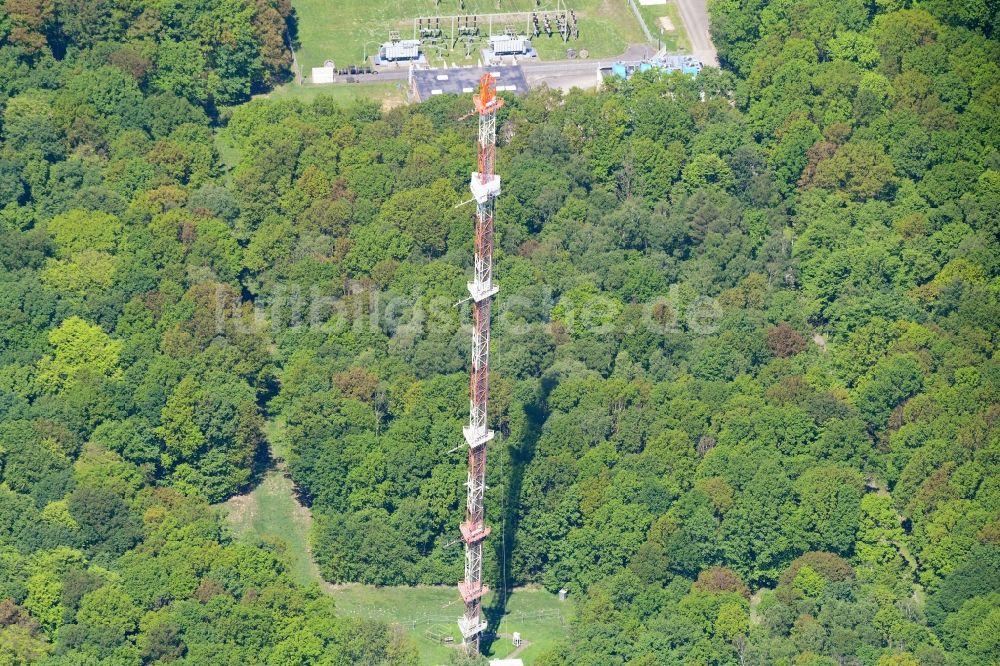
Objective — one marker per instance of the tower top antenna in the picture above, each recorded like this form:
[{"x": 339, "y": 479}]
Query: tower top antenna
[{"x": 487, "y": 100}]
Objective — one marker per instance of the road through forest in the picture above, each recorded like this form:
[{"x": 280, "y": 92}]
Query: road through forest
[{"x": 694, "y": 13}]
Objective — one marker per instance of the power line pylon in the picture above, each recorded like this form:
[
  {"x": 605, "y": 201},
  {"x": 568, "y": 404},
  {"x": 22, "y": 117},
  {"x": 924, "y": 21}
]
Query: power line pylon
[{"x": 485, "y": 186}]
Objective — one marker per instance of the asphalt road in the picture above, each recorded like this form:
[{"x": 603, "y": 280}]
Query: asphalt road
[
  {"x": 533, "y": 69},
  {"x": 694, "y": 13}
]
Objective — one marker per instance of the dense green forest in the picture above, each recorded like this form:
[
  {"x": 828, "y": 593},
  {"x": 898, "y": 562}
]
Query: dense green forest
[
  {"x": 122, "y": 413},
  {"x": 743, "y": 351}
]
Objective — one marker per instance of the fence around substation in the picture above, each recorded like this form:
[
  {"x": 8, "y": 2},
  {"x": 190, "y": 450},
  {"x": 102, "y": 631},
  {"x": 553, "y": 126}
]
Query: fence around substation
[{"x": 526, "y": 616}]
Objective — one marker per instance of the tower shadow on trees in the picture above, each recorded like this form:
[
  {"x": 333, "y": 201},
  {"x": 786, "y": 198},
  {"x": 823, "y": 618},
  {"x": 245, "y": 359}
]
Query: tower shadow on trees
[{"x": 521, "y": 456}]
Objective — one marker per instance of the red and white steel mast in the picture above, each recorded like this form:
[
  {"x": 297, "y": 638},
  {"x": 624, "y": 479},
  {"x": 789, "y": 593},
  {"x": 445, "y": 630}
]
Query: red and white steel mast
[{"x": 485, "y": 186}]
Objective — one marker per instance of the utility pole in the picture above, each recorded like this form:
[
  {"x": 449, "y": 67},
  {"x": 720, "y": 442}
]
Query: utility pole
[{"x": 485, "y": 186}]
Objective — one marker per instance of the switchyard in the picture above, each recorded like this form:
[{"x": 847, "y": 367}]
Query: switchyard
[
  {"x": 445, "y": 32},
  {"x": 492, "y": 35},
  {"x": 354, "y": 32}
]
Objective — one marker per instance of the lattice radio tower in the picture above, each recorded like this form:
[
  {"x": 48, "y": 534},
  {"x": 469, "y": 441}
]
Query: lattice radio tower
[{"x": 485, "y": 186}]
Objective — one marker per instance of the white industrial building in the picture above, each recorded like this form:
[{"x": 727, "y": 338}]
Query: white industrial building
[
  {"x": 505, "y": 45},
  {"x": 403, "y": 49}
]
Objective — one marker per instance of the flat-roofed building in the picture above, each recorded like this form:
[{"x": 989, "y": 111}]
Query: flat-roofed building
[{"x": 426, "y": 83}]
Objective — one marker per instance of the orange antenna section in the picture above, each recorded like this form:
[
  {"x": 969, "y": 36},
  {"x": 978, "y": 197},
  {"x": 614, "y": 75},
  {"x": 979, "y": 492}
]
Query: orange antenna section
[
  {"x": 487, "y": 89},
  {"x": 487, "y": 100}
]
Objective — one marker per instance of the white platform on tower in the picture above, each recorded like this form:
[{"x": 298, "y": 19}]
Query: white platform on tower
[
  {"x": 476, "y": 437},
  {"x": 470, "y": 629},
  {"x": 479, "y": 291},
  {"x": 481, "y": 191}
]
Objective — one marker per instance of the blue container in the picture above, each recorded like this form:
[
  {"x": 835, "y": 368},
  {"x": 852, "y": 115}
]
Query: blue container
[
  {"x": 618, "y": 69},
  {"x": 645, "y": 67}
]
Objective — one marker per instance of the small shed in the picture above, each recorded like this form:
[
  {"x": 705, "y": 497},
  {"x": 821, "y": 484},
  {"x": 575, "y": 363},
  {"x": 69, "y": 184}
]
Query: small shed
[
  {"x": 563, "y": 593},
  {"x": 322, "y": 74}
]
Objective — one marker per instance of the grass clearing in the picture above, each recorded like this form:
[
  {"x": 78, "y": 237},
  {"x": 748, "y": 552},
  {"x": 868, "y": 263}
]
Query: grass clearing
[
  {"x": 390, "y": 94},
  {"x": 675, "y": 40},
  {"x": 345, "y": 30},
  {"x": 270, "y": 512},
  {"x": 229, "y": 154},
  {"x": 428, "y": 612}
]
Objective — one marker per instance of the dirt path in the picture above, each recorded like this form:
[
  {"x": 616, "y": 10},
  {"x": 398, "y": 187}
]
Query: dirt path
[
  {"x": 694, "y": 13},
  {"x": 911, "y": 562},
  {"x": 755, "y": 616}
]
